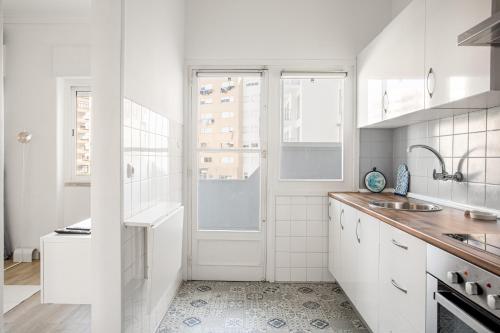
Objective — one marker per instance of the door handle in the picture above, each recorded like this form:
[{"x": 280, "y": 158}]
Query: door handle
[
  {"x": 357, "y": 236},
  {"x": 397, "y": 286},
  {"x": 431, "y": 75},
  {"x": 385, "y": 101},
  {"x": 395, "y": 242},
  {"x": 340, "y": 219}
]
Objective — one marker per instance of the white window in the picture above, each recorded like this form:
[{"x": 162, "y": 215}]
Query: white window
[
  {"x": 206, "y": 130},
  {"x": 206, "y": 101},
  {"x": 227, "y": 114},
  {"x": 207, "y": 116},
  {"x": 77, "y": 119},
  {"x": 311, "y": 126},
  {"x": 206, "y": 89}
]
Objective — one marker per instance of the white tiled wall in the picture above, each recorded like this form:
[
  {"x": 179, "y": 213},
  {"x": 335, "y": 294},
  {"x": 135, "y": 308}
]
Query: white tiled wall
[
  {"x": 153, "y": 146},
  {"x": 301, "y": 238},
  {"x": 145, "y": 149},
  {"x": 376, "y": 151},
  {"x": 469, "y": 143}
]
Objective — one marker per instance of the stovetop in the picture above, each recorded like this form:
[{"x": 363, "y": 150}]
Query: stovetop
[{"x": 486, "y": 242}]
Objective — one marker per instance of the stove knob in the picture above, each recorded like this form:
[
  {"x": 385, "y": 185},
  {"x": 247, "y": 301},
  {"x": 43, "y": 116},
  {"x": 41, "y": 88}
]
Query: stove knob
[
  {"x": 453, "y": 277},
  {"x": 493, "y": 302},
  {"x": 472, "y": 288}
]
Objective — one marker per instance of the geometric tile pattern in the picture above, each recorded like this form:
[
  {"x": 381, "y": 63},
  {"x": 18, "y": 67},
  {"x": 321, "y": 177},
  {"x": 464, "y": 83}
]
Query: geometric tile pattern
[{"x": 253, "y": 307}]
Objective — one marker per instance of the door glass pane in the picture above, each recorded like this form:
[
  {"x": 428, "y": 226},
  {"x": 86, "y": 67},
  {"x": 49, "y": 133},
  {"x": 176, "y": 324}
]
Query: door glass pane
[
  {"x": 229, "y": 111},
  {"x": 229, "y": 191},
  {"x": 228, "y": 155}
]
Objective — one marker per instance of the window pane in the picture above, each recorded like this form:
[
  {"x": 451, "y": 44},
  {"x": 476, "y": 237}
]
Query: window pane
[
  {"x": 229, "y": 112},
  {"x": 312, "y": 110},
  {"x": 82, "y": 133},
  {"x": 312, "y": 128},
  {"x": 229, "y": 191}
]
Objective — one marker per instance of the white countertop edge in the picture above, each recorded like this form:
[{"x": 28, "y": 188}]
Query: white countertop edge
[{"x": 150, "y": 218}]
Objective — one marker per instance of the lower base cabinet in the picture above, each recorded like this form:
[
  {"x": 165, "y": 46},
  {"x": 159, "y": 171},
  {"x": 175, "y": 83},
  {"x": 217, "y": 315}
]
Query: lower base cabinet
[{"x": 380, "y": 268}]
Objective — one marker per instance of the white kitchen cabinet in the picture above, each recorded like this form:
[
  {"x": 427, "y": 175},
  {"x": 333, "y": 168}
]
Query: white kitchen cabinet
[
  {"x": 336, "y": 212},
  {"x": 371, "y": 82},
  {"x": 390, "y": 76},
  {"x": 404, "y": 80},
  {"x": 349, "y": 252},
  {"x": 367, "y": 272},
  {"x": 402, "y": 281},
  {"x": 454, "y": 72}
]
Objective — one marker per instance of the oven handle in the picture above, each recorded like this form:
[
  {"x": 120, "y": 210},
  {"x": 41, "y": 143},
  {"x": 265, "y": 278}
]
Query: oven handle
[{"x": 461, "y": 314}]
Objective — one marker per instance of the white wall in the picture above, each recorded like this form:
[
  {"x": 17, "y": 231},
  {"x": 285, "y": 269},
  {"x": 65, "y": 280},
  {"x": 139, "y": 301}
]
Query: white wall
[
  {"x": 153, "y": 76},
  {"x": 292, "y": 35},
  {"x": 35, "y": 55},
  {"x": 282, "y": 29}
]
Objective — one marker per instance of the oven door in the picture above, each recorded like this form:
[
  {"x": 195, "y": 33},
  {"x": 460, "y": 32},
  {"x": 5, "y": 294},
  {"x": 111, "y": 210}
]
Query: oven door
[{"x": 449, "y": 311}]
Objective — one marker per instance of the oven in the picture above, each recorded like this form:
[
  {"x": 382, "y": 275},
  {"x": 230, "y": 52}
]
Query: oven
[{"x": 461, "y": 297}]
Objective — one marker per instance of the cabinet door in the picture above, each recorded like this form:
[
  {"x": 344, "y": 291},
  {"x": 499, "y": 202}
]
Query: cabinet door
[
  {"x": 370, "y": 83},
  {"x": 454, "y": 72},
  {"x": 331, "y": 235},
  {"x": 367, "y": 233},
  {"x": 404, "y": 80},
  {"x": 337, "y": 252},
  {"x": 349, "y": 251}
]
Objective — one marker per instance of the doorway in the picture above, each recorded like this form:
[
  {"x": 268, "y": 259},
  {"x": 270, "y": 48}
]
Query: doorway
[{"x": 228, "y": 176}]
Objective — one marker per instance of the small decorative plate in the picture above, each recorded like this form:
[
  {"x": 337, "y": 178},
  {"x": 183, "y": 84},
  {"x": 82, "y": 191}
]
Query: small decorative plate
[{"x": 375, "y": 181}]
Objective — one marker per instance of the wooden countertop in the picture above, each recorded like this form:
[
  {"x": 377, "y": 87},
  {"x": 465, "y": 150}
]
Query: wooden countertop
[{"x": 430, "y": 226}]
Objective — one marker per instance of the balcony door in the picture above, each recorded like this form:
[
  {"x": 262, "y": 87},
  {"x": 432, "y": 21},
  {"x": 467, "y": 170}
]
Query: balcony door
[{"x": 228, "y": 177}]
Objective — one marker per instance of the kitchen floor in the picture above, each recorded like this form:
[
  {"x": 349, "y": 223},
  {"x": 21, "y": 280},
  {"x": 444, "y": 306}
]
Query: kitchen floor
[{"x": 230, "y": 307}]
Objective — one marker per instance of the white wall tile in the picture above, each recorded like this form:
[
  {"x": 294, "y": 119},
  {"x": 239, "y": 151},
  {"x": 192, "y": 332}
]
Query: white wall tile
[
  {"x": 283, "y": 213},
  {"x": 298, "y": 228},
  {"x": 461, "y": 124},
  {"x": 314, "y": 274},
  {"x": 314, "y": 212},
  {"x": 493, "y": 171},
  {"x": 477, "y": 121},
  {"x": 315, "y": 228},
  {"x": 282, "y": 228},
  {"x": 298, "y": 274},
  {"x": 282, "y": 259},
  {"x": 282, "y": 274},
  {"x": 298, "y": 260},
  {"x": 298, "y": 212},
  {"x": 493, "y": 196},
  {"x": 283, "y": 244},
  {"x": 298, "y": 244},
  {"x": 494, "y": 118},
  {"x": 315, "y": 260}
]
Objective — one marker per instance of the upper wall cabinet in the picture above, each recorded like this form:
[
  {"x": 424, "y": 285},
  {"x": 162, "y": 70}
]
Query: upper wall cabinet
[
  {"x": 390, "y": 68},
  {"x": 416, "y": 64},
  {"x": 454, "y": 72}
]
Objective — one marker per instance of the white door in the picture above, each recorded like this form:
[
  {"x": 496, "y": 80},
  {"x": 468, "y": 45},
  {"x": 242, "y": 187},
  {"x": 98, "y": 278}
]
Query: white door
[{"x": 228, "y": 176}]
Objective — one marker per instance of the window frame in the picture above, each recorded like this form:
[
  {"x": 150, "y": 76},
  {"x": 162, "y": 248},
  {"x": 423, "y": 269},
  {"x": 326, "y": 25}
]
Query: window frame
[
  {"x": 70, "y": 89},
  {"x": 321, "y": 74}
]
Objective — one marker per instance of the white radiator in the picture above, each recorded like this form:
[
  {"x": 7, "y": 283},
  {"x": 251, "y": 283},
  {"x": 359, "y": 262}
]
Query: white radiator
[{"x": 164, "y": 262}]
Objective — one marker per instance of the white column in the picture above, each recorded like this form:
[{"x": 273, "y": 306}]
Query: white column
[{"x": 106, "y": 165}]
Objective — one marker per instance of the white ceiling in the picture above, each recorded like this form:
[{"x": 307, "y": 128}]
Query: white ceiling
[{"x": 47, "y": 8}]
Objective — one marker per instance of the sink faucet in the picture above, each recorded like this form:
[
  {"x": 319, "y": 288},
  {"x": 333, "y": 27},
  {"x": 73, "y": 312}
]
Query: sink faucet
[{"x": 443, "y": 175}]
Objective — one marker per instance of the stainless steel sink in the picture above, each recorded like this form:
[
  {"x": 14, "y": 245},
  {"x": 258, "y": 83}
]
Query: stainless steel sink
[{"x": 408, "y": 206}]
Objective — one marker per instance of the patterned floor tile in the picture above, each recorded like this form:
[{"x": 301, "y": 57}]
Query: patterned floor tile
[{"x": 260, "y": 307}]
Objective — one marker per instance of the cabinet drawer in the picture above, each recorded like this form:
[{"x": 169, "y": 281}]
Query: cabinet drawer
[{"x": 402, "y": 274}]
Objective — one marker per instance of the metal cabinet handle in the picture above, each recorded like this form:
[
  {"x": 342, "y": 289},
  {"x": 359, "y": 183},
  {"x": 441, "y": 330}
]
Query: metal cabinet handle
[
  {"x": 329, "y": 205},
  {"x": 395, "y": 242},
  {"x": 385, "y": 101},
  {"x": 340, "y": 219},
  {"x": 357, "y": 236},
  {"x": 429, "y": 75},
  {"x": 395, "y": 284}
]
